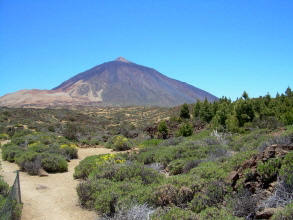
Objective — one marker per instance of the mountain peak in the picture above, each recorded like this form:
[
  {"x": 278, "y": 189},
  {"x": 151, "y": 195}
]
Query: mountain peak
[{"x": 122, "y": 59}]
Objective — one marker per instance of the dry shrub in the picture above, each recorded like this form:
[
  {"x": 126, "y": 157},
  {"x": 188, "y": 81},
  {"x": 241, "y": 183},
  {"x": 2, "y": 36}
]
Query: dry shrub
[
  {"x": 135, "y": 212},
  {"x": 244, "y": 204},
  {"x": 169, "y": 194}
]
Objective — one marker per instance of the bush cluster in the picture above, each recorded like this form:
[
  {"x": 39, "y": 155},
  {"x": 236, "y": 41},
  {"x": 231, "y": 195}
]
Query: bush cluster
[{"x": 33, "y": 150}]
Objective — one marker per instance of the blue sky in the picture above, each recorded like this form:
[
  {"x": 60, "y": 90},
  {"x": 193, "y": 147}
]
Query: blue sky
[{"x": 221, "y": 46}]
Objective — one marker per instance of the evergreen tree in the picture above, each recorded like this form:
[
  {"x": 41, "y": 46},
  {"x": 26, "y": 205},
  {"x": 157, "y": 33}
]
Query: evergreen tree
[
  {"x": 206, "y": 111},
  {"x": 289, "y": 92},
  {"x": 163, "y": 129},
  {"x": 196, "y": 109},
  {"x": 245, "y": 95},
  {"x": 184, "y": 112}
]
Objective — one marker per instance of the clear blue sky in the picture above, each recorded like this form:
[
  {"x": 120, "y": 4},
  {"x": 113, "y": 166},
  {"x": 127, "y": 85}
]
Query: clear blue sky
[{"x": 221, "y": 46}]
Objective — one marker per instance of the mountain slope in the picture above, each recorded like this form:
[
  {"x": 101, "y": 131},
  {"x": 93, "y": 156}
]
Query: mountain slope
[{"x": 115, "y": 83}]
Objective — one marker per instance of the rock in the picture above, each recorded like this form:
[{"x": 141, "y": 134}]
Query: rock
[
  {"x": 232, "y": 178},
  {"x": 42, "y": 172},
  {"x": 270, "y": 152},
  {"x": 266, "y": 213},
  {"x": 252, "y": 186},
  {"x": 248, "y": 164},
  {"x": 42, "y": 187}
]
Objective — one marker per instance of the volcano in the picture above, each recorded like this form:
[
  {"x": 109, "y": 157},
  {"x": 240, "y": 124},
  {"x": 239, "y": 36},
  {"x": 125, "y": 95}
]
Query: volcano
[{"x": 112, "y": 84}]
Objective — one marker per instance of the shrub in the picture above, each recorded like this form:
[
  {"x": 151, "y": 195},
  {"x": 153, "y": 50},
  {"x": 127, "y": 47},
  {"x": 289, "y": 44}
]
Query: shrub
[
  {"x": 209, "y": 171},
  {"x": 168, "y": 194},
  {"x": 130, "y": 171},
  {"x": 198, "y": 202},
  {"x": 150, "y": 143},
  {"x": 283, "y": 193},
  {"x": 85, "y": 167},
  {"x": 176, "y": 166},
  {"x": 171, "y": 141},
  {"x": 4, "y": 188},
  {"x": 214, "y": 213},
  {"x": 10, "y": 152},
  {"x": 30, "y": 162},
  {"x": 173, "y": 212},
  {"x": 190, "y": 165},
  {"x": 235, "y": 162},
  {"x": 27, "y": 156},
  {"x": 87, "y": 189},
  {"x": 54, "y": 163},
  {"x": 69, "y": 151},
  {"x": 109, "y": 198},
  {"x": 32, "y": 167},
  {"x": 185, "y": 130},
  {"x": 269, "y": 170},
  {"x": 136, "y": 211},
  {"x": 4, "y": 137},
  {"x": 163, "y": 129},
  {"x": 119, "y": 143},
  {"x": 147, "y": 156},
  {"x": 282, "y": 140},
  {"x": 243, "y": 204}
]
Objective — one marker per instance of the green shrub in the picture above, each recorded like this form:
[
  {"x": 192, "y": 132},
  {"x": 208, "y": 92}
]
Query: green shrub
[
  {"x": 27, "y": 156},
  {"x": 31, "y": 161},
  {"x": 150, "y": 143},
  {"x": 173, "y": 213},
  {"x": 146, "y": 156},
  {"x": 99, "y": 163},
  {"x": 185, "y": 130},
  {"x": 287, "y": 168},
  {"x": 11, "y": 151},
  {"x": 108, "y": 197},
  {"x": 4, "y": 188},
  {"x": 235, "y": 161},
  {"x": 214, "y": 213},
  {"x": 38, "y": 147},
  {"x": 85, "y": 167},
  {"x": 69, "y": 151},
  {"x": 172, "y": 141},
  {"x": 120, "y": 172},
  {"x": 269, "y": 170},
  {"x": 209, "y": 171},
  {"x": 87, "y": 189},
  {"x": 53, "y": 163},
  {"x": 23, "y": 132},
  {"x": 198, "y": 202},
  {"x": 176, "y": 166}
]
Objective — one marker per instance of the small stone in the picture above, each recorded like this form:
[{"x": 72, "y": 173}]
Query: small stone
[{"x": 42, "y": 172}]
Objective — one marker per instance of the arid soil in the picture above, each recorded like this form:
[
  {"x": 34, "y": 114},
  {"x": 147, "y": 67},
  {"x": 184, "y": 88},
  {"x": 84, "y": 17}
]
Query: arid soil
[{"x": 52, "y": 197}]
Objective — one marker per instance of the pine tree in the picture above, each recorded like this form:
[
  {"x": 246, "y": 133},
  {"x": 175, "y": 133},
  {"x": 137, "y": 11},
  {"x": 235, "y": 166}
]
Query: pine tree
[{"x": 184, "y": 112}]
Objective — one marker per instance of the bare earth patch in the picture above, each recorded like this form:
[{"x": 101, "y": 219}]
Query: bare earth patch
[{"x": 52, "y": 197}]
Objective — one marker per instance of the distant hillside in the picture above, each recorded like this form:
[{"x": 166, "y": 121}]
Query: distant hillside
[{"x": 115, "y": 83}]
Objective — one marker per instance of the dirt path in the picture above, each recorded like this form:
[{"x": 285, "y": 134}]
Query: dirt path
[{"x": 53, "y": 197}]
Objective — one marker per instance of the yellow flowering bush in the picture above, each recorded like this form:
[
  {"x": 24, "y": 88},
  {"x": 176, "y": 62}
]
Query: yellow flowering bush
[
  {"x": 4, "y": 137},
  {"x": 119, "y": 143},
  {"x": 109, "y": 158},
  {"x": 34, "y": 144},
  {"x": 68, "y": 145}
]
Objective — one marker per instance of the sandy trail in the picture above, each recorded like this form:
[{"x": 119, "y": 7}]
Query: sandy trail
[{"x": 53, "y": 197}]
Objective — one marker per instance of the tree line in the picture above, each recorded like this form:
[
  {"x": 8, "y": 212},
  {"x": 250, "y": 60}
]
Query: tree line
[{"x": 245, "y": 112}]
